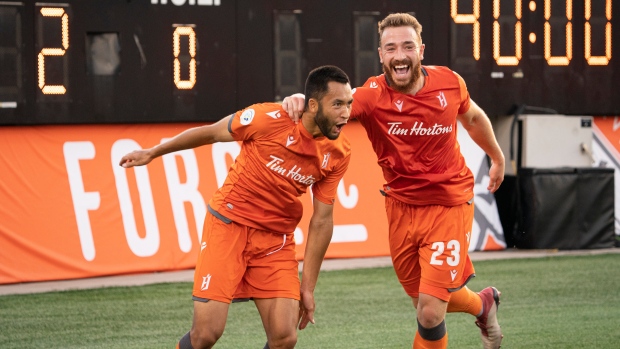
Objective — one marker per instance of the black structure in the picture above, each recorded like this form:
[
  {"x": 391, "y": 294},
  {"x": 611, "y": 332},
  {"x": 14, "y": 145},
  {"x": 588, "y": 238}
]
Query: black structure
[
  {"x": 144, "y": 61},
  {"x": 563, "y": 208}
]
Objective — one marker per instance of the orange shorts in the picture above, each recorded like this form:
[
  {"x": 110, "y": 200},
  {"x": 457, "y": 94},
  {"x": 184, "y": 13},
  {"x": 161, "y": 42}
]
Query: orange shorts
[
  {"x": 429, "y": 247},
  {"x": 240, "y": 262}
]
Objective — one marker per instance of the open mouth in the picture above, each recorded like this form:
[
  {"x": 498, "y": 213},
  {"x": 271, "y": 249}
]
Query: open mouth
[
  {"x": 402, "y": 69},
  {"x": 340, "y": 126}
]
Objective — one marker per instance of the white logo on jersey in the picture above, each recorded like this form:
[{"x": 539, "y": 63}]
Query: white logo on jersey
[
  {"x": 205, "y": 282},
  {"x": 293, "y": 173},
  {"x": 373, "y": 84},
  {"x": 274, "y": 114},
  {"x": 290, "y": 140},
  {"x": 418, "y": 129},
  {"x": 399, "y": 105},
  {"x": 353, "y": 90},
  {"x": 247, "y": 116},
  {"x": 453, "y": 274},
  {"x": 326, "y": 160},
  {"x": 443, "y": 102},
  {"x": 203, "y": 246}
]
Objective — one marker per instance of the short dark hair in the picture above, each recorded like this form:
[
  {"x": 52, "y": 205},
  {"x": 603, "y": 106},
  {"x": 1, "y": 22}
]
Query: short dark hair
[{"x": 318, "y": 79}]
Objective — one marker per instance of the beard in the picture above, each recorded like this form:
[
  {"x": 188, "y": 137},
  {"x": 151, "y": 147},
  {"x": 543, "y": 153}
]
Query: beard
[
  {"x": 324, "y": 124},
  {"x": 416, "y": 72}
]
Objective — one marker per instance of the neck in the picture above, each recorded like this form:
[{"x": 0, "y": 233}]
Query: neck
[{"x": 307, "y": 120}]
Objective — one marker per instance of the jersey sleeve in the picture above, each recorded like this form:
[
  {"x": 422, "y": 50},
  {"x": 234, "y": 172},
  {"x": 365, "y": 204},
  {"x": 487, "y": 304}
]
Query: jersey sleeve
[
  {"x": 464, "y": 106},
  {"x": 365, "y": 99},
  {"x": 325, "y": 189},
  {"x": 256, "y": 121}
]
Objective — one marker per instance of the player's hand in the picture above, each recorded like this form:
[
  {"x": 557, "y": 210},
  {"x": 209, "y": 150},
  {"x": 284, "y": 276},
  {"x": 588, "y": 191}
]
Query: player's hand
[
  {"x": 135, "y": 158},
  {"x": 294, "y": 106},
  {"x": 306, "y": 309},
  {"x": 496, "y": 174}
]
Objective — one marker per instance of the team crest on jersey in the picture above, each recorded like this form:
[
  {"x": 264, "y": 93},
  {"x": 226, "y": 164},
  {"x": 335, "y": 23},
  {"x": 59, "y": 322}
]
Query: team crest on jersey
[
  {"x": 247, "y": 116},
  {"x": 326, "y": 160},
  {"x": 443, "y": 102}
]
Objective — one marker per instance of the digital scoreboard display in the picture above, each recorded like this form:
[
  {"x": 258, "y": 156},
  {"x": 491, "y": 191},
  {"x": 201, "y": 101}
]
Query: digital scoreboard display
[{"x": 139, "y": 61}]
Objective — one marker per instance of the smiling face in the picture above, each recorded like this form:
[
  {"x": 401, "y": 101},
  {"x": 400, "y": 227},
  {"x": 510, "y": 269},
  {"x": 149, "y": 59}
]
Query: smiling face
[
  {"x": 401, "y": 53},
  {"x": 332, "y": 111}
]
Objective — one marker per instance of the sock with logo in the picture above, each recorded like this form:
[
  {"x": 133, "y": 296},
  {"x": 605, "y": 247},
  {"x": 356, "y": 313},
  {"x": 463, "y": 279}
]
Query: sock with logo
[
  {"x": 185, "y": 342},
  {"x": 431, "y": 338},
  {"x": 465, "y": 301}
]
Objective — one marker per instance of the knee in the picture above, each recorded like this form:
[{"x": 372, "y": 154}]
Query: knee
[
  {"x": 204, "y": 338},
  {"x": 429, "y": 317},
  {"x": 285, "y": 341}
]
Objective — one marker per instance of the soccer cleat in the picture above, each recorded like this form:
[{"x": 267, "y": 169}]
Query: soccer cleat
[{"x": 490, "y": 331}]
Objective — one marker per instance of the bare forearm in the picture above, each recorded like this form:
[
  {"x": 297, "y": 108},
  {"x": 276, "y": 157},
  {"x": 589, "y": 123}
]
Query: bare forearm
[
  {"x": 481, "y": 132},
  {"x": 319, "y": 237}
]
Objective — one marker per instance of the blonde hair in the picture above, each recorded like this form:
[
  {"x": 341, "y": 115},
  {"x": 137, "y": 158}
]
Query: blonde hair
[{"x": 400, "y": 20}]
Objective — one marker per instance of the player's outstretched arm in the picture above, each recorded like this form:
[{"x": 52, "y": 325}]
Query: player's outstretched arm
[
  {"x": 294, "y": 106},
  {"x": 319, "y": 237},
  {"x": 478, "y": 125},
  {"x": 190, "y": 138}
]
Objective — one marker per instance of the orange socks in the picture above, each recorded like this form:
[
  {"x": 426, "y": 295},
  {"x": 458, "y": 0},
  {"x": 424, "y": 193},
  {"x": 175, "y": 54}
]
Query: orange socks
[{"x": 465, "y": 301}]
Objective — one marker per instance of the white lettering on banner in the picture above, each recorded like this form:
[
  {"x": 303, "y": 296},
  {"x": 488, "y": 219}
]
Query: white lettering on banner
[
  {"x": 347, "y": 201},
  {"x": 218, "y": 154},
  {"x": 180, "y": 193},
  {"x": 82, "y": 201},
  {"x": 149, "y": 245},
  {"x": 190, "y": 2},
  {"x": 349, "y": 233}
]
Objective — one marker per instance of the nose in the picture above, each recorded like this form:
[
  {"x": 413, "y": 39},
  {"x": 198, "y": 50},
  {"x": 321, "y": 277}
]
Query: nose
[{"x": 400, "y": 53}]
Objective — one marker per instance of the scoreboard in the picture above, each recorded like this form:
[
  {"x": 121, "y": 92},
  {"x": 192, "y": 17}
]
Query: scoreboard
[{"x": 144, "y": 61}]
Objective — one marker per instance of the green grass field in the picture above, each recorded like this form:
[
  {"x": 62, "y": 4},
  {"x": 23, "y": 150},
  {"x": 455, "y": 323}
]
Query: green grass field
[{"x": 558, "y": 302}]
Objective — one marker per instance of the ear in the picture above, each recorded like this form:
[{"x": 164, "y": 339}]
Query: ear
[
  {"x": 380, "y": 55},
  {"x": 313, "y": 105},
  {"x": 422, "y": 51}
]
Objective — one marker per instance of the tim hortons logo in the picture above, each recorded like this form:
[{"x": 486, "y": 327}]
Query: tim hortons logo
[
  {"x": 418, "y": 129},
  {"x": 293, "y": 173}
]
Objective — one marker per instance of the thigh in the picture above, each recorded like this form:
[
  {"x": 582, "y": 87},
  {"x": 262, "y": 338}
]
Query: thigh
[
  {"x": 221, "y": 263},
  {"x": 279, "y": 315},
  {"x": 444, "y": 255},
  {"x": 272, "y": 267}
]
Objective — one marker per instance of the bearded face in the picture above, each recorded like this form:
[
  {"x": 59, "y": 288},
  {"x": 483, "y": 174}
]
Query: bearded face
[
  {"x": 326, "y": 125},
  {"x": 402, "y": 74}
]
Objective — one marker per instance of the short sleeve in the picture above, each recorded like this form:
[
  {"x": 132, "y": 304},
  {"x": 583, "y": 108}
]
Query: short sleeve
[
  {"x": 325, "y": 189},
  {"x": 464, "y": 105}
]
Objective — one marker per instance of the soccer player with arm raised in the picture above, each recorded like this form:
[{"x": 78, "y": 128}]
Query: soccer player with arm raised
[
  {"x": 410, "y": 115},
  {"x": 248, "y": 246}
]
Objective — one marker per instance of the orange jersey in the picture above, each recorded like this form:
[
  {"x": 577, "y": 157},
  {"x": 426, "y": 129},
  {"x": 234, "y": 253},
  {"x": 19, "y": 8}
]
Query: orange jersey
[
  {"x": 414, "y": 137},
  {"x": 278, "y": 161}
]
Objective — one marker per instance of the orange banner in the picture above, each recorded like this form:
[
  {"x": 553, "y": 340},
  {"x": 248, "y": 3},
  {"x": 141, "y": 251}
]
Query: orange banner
[{"x": 67, "y": 210}]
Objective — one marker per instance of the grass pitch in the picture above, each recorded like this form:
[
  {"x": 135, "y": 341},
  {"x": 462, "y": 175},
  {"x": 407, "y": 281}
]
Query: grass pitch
[{"x": 556, "y": 302}]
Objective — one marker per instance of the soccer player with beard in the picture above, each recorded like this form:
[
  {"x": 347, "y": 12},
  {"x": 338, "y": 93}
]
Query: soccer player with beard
[
  {"x": 248, "y": 245},
  {"x": 410, "y": 114}
]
